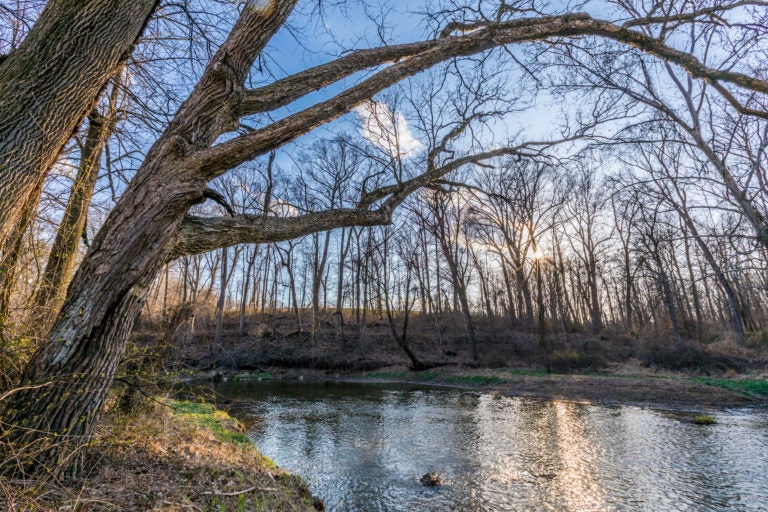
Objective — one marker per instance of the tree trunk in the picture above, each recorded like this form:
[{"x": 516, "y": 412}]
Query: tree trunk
[
  {"x": 61, "y": 261},
  {"x": 461, "y": 291},
  {"x": 628, "y": 291},
  {"x": 49, "y": 83},
  {"x": 595, "y": 314},
  {"x": 694, "y": 289},
  {"x": 77, "y": 364},
  {"x": 734, "y": 304},
  {"x": 318, "y": 270},
  {"x": 10, "y": 254},
  {"x": 669, "y": 299},
  {"x": 525, "y": 298},
  {"x": 542, "y": 326},
  {"x": 250, "y": 261},
  {"x": 222, "y": 299},
  {"x": 402, "y": 339}
]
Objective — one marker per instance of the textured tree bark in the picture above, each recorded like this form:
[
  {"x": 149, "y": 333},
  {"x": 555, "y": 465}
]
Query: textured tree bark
[{"x": 50, "y": 82}]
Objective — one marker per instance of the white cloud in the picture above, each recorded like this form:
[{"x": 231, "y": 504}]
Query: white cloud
[
  {"x": 64, "y": 167},
  {"x": 282, "y": 208},
  {"x": 387, "y": 130}
]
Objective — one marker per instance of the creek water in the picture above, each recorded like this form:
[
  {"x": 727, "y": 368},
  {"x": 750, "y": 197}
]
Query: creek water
[{"x": 363, "y": 447}]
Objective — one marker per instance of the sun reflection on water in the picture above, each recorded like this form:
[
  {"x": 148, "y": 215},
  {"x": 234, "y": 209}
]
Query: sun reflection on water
[{"x": 580, "y": 476}]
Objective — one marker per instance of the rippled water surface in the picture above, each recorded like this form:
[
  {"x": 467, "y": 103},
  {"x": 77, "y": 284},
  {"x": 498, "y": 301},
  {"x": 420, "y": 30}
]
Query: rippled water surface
[{"x": 363, "y": 447}]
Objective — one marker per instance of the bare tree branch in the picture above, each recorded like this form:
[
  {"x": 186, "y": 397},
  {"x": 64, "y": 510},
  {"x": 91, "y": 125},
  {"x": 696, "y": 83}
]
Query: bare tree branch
[
  {"x": 712, "y": 12},
  {"x": 198, "y": 234}
]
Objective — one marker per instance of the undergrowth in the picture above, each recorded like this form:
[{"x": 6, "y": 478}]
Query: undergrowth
[{"x": 170, "y": 455}]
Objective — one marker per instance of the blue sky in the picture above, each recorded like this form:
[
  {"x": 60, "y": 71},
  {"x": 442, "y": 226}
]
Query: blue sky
[{"x": 349, "y": 28}]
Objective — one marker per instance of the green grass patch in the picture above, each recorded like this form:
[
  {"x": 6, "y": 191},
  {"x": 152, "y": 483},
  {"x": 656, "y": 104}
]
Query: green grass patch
[
  {"x": 704, "y": 419},
  {"x": 247, "y": 377},
  {"x": 754, "y": 387},
  {"x": 386, "y": 375},
  {"x": 402, "y": 375},
  {"x": 206, "y": 416},
  {"x": 527, "y": 373},
  {"x": 474, "y": 379}
]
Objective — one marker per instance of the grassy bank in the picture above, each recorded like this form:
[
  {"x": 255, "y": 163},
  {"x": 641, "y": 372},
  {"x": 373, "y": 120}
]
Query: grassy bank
[
  {"x": 747, "y": 386},
  {"x": 169, "y": 456},
  {"x": 667, "y": 391}
]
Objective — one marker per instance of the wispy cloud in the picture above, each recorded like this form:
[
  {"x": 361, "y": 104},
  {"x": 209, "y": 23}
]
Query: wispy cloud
[{"x": 387, "y": 130}]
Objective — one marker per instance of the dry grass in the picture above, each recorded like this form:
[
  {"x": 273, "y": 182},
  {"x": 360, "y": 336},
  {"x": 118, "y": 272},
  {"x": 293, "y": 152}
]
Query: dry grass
[{"x": 175, "y": 457}]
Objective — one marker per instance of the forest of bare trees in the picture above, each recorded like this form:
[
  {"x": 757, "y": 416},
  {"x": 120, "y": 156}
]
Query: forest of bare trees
[
  {"x": 619, "y": 254},
  {"x": 555, "y": 171}
]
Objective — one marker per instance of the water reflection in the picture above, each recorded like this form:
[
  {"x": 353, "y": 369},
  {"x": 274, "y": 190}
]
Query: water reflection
[{"x": 364, "y": 447}]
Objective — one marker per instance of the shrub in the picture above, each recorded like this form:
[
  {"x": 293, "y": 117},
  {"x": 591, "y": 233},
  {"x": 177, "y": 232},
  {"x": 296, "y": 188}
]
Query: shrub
[
  {"x": 664, "y": 353},
  {"x": 570, "y": 360}
]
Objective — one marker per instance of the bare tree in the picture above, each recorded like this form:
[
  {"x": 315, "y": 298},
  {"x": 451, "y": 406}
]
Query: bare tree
[
  {"x": 61, "y": 262},
  {"x": 665, "y": 165},
  {"x": 67, "y": 380},
  {"x": 404, "y": 306},
  {"x": 587, "y": 239}
]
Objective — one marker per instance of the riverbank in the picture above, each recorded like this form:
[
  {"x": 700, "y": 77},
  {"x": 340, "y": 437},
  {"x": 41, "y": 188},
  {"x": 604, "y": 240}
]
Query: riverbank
[
  {"x": 170, "y": 456},
  {"x": 664, "y": 391}
]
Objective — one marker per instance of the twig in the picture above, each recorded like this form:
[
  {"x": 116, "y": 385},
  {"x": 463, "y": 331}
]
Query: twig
[
  {"x": 244, "y": 491},
  {"x": 22, "y": 388}
]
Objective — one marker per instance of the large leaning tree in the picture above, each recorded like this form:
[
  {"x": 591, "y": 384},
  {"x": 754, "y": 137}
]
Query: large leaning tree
[{"x": 58, "y": 72}]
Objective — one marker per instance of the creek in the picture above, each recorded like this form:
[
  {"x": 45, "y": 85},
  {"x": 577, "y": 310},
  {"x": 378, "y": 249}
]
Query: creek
[{"x": 363, "y": 447}]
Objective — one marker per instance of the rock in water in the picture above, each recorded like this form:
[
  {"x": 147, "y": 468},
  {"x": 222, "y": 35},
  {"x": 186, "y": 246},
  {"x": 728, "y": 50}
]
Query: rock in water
[{"x": 431, "y": 479}]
